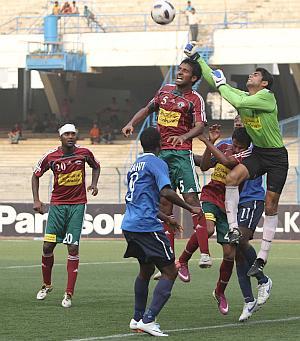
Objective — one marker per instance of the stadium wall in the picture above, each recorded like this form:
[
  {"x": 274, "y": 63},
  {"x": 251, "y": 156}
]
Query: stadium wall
[
  {"x": 104, "y": 221},
  {"x": 232, "y": 46},
  {"x": 103, "y": 50},
  {"x": 262, "y": 46}
]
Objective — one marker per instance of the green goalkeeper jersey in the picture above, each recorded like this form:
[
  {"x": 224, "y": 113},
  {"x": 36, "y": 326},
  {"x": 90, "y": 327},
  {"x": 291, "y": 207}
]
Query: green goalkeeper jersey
[{"x": 258, "y": 112}]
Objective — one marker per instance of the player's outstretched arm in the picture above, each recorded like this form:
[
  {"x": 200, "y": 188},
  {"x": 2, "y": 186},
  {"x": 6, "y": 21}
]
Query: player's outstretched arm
[
  {"x": 207, "y": 72},
  {"x": 137, "y": 118},
  {"x": 262, "y": 100},
  {"x": 191, "y": 51},
  {"x": 168, "y": 193}
]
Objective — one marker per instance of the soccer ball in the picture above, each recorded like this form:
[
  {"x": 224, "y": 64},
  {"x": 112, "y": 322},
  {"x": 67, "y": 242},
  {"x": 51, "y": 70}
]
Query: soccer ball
[{"x": 163, "y": 12}]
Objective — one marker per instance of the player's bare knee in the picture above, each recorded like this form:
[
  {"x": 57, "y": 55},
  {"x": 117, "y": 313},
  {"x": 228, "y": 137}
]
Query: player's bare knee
[
  {"x": 48, "y": 248},
  {"x": 146, "y": 271},
  {"x": 210, "y": 228},
  {"x": 172, "y": 275},
  {"x": 247, "y": 234},
  {"x": 73, "y": 250},
  {"x": 228, "y": 252},
  {"x": 243, "y": 243},
  {"x": 271, "y": 208},
  {"x": 169, "y": 272},
  {"x": 231, "y": 180}
]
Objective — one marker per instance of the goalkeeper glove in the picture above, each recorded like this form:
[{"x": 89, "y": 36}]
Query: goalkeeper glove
[
  {"x": 191, "y": 51},
  {"x": 218, "y": 77}
]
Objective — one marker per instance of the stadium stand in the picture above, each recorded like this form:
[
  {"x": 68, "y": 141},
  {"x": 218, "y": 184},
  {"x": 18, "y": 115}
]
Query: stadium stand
[
  {"x": 19, "y": 160},
  {"x": 18, "y": 163},
  {"x": 118, "y": 15}
]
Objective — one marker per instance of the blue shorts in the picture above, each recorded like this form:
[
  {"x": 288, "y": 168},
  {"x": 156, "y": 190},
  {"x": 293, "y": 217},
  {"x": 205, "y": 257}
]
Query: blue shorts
[
  {"x": 249, "y": 213},
  {"x": 149, "y": 247}
]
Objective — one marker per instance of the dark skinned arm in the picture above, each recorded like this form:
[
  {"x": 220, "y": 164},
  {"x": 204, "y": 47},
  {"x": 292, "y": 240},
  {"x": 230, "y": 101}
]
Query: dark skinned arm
[
  {"x": 206, "y": 163},
  {"x": 95, "y": 176},
  {"x": 38, "y": 206},
  {"x": 228, "y": 161},
  {"x": 197, "y": 130},
  {"x": 137, "y": 118},
  {"x": 172, "y": 223},
  {"x": 168, "y": 193}
]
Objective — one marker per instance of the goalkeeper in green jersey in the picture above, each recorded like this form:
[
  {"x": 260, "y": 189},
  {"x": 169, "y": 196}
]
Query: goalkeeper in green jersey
[{"x": 258, "y": 111}]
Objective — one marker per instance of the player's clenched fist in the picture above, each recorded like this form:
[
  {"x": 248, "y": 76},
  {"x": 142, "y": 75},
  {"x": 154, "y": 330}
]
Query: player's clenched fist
[{"x": 128, "y": 130}]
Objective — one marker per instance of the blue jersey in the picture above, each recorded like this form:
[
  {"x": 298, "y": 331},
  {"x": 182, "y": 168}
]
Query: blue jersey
[
  {"x": 146, "y": 178},
  {"x": 252, "y": 189}
]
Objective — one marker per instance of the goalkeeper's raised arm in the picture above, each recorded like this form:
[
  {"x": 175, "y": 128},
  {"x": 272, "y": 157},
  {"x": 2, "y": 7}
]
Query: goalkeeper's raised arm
[
  {"x": 191, "y": 51},
  {"x": 210, "y": 75}
]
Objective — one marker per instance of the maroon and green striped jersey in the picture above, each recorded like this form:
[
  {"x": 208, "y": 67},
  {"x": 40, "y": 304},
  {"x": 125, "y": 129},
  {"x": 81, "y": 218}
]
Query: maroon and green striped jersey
[
  {"x": 69, "y": 174},
  {"x": 177, "y": 114},
  {"x": 214, "y": 191}
]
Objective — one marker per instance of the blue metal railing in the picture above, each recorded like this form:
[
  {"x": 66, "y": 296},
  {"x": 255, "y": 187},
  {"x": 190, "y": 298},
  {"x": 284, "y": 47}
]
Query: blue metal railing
[{"x": 141, "y": 22}]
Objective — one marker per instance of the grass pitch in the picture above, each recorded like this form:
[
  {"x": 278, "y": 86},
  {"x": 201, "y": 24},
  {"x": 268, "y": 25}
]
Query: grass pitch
[{"x": 103, "y": 301}]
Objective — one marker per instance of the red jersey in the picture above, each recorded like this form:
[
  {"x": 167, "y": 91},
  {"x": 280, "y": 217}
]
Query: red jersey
[
  {"x": 177, "y": 114},
  {"x": 214, "y": 191},
  {"x": 69, "y": 174}
]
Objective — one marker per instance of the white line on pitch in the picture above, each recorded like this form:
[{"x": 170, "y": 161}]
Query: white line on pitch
[
  {"x": 230, "y": 325},
  {"x": 59, "y": 264},
  {"x": 11, "y": 267}
]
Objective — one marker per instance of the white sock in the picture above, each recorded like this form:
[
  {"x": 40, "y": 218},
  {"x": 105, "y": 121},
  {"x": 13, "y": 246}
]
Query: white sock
[
  {"x": 232, "y": 197},
  {"x": 269, "y": 229}
]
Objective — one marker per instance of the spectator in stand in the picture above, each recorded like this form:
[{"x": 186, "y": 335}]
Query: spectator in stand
[
  {"x": 18, "y": 126},
  {"x": 15, "y": 134},
  {"x": 90, "y": 17},
  {"x": 193, "y": 21},
  {"x": 56, "y": 8},
  {"x": 95, "y": 134},
  {"x": 189, "y": 6},
  {"x": 107, "y": 136},
  {"x": 74, "y": 8},
  {"x": 66, "y": 9},
  {"x": 187, "y": 10}
]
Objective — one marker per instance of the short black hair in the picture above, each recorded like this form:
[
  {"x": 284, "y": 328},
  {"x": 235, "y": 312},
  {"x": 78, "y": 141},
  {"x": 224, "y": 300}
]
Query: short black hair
[
  {"x": 150, "y": 139},
  {"x": 266, "y": 76},
  {"x": 196, "y": 68},
  {"x": 241, "y": 135}
]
